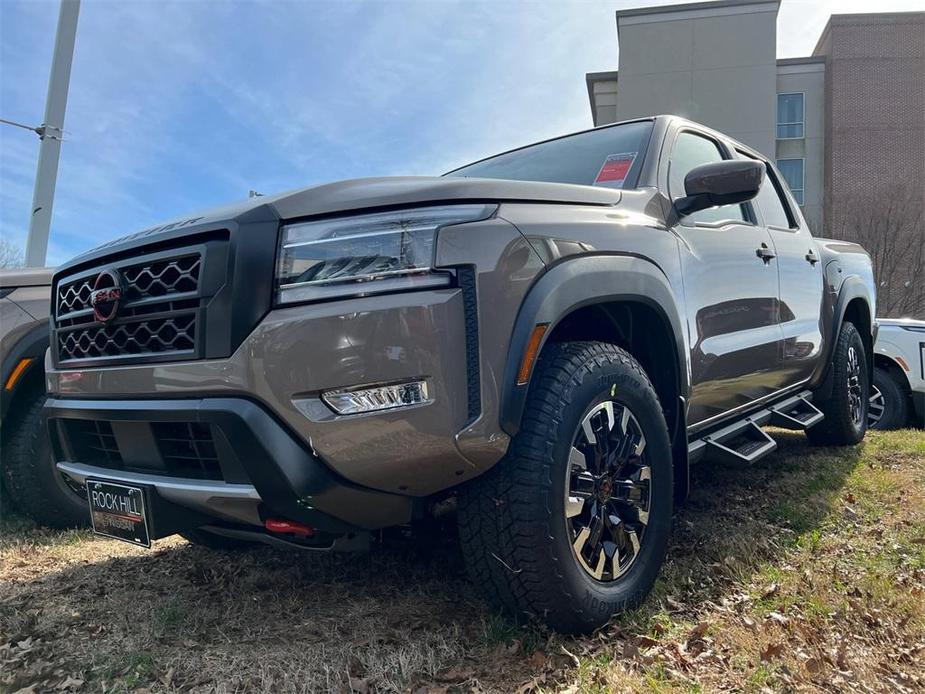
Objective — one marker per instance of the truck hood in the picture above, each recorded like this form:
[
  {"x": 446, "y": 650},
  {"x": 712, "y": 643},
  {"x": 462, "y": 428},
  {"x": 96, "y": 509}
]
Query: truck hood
[
  {"x": 364, "y": 193},
  {"x": 361, "y": 194}
]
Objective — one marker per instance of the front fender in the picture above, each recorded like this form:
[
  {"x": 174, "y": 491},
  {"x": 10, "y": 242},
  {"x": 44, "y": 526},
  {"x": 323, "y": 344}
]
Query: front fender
[
  {"x": 573, "y": 284},
  {"x": 28, "y": 341}
]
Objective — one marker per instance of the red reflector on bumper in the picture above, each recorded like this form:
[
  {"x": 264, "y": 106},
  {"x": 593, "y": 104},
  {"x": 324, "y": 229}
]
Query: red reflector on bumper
[{"x": 276, "y": 525}]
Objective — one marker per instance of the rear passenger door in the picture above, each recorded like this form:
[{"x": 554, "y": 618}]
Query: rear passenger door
[
  {"x": 730, "y": 288},
  {"x": 801, "y": 282}
]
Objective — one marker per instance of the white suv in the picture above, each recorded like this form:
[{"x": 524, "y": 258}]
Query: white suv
[{"x": 898, "y": 396}]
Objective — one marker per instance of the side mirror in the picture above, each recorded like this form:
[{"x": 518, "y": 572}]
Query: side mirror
[{"x": 720, "y": 183}]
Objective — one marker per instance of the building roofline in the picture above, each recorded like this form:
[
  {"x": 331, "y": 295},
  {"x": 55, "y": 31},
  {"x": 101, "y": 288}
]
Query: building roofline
[
  {"x": 852, "y": 17},
  {"x": 803, "y": 60},
  {"x": 682, "y": 7},
  {"x": 590, "y": 79},
  {"x": 885, "y": 15}
]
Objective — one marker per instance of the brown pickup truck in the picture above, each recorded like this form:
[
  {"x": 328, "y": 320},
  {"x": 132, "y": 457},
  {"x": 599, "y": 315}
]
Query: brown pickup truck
[{"x": 546, "y": 338}]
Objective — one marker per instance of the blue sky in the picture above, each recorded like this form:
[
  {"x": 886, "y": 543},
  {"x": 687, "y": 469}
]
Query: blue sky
[{"x": 177, "y": 106}]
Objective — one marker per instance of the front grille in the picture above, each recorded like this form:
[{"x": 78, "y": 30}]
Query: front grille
[
  {"x": 158, "y": 314},
  {"x": 159, "y": 278},
  {"x": 152, "y": 336},
  {"x": 187, "y": 449},
  {"x": 95, "y": 442},
  {"x": 183, "y": 449}
]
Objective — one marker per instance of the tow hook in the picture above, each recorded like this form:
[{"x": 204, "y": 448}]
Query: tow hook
[{"x": 279, "y": 525}]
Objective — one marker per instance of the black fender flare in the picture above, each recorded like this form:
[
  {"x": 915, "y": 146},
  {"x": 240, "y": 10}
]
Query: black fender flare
[
  {"x": 853, "y": 287},
  {"x": 33, "y": 344},
  {"x": 573, "y": 284}
]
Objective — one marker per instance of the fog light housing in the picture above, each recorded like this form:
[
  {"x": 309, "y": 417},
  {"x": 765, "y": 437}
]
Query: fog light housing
[{"x": 377, "y": 398}]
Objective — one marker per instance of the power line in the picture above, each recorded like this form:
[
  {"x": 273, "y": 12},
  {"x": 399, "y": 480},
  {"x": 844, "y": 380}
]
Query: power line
[{"x": 38, "y": 131}]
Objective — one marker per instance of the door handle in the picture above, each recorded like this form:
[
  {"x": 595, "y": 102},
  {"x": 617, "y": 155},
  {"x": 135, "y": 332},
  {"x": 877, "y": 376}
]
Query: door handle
[
  {"x": 811, "y": 257},
  {"x": 765, "y": 253}
]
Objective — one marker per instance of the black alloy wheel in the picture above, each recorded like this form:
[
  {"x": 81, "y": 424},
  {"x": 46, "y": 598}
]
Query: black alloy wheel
[{"x": 608, "y": 490}]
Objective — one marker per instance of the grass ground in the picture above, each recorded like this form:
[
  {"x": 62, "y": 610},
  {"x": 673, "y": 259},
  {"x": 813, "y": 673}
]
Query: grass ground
[{"x": 805, "y": 572}]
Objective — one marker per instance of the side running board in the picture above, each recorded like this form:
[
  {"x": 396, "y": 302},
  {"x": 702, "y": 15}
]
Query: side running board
[
  {"x": 744, "y": 441},
  {"x": 797, "y": 415}
]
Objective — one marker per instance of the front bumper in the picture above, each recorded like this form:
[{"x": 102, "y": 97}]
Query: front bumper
[
  {"x": 222, "y": 458},
  {"x": 455, "y": 338},
  {"x": 295, "y": 354}
]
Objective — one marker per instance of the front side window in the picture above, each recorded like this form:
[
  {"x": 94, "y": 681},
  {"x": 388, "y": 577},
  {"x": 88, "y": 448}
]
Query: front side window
[
  {"x": 792, "y": 171},
  {"x": 789, "y": 116},
  {"x": 692, "y": 150},
  {"x": 770, "y": 203},
  {"x": 610, "y": 157}
]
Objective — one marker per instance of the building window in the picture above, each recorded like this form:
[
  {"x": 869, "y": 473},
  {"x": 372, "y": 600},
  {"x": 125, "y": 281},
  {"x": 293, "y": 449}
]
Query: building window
[
  {"x": 790, "y": 116},
  {"x": 792, "y": 171}
]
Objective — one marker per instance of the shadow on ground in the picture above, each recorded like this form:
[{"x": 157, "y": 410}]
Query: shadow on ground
[{"x": 395, "y": 619}]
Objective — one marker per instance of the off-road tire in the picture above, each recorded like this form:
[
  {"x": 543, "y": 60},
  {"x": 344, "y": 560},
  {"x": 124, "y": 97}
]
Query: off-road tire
[
  {"x": 513, "y": 531},
  {"x": 895, "y": 402},
  {"x": 32, "y": 482},
  {"x": 211, "y": 540},
  {"x": 839, "y": 428}
]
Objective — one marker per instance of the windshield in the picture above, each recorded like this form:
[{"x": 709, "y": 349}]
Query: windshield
[{"x": 609, "y": 157}]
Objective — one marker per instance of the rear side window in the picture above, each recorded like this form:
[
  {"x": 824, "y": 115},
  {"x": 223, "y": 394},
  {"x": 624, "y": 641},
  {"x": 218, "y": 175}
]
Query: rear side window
[
  {"x": 609, "y": 157},
  {"x": 690, "y": 151},
  {"x": 769, "y": 201}
]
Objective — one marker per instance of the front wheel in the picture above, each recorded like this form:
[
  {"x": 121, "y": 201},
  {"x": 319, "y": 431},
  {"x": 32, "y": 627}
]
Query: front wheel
[
  {"x": 572, "y": 525},
  {"x": 33, "y": 482},
  {"x": 845, "y": 409}
]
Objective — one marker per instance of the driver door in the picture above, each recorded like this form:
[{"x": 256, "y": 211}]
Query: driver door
[{"x": 730, "y": 288}]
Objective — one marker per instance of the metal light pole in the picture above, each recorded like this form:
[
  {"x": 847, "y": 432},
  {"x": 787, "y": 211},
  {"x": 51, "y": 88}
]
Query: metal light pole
[{"x": 50, "y": 134}]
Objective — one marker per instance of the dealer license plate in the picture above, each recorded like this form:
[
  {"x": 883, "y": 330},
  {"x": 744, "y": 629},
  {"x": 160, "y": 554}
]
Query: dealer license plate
[{"x": 119, "y": 511}]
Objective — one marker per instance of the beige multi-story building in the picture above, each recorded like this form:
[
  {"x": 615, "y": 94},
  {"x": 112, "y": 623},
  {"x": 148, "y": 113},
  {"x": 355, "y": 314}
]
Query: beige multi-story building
[{"x": 846, "y": 124}]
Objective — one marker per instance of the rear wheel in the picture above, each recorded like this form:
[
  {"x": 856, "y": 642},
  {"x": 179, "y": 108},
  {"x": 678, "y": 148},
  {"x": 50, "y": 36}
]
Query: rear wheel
[
  {"x": 572, "y": 525},
  {"x": 32, "y": 481},
  {"x": 845, "y": 409},
  {"x": 889, "y": 405}
]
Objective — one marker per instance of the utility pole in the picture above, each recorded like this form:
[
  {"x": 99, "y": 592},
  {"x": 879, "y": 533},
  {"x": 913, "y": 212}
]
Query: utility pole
[{"x": 50, "y": 133}]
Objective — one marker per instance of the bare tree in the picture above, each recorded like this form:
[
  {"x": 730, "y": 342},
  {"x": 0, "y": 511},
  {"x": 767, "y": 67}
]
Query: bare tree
[
  {"x": 10, "y": 254},
  {"x": 888, "y": 222}
]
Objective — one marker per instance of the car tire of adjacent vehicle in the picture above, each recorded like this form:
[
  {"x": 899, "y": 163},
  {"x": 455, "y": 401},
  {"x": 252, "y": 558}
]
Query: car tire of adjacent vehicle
[
  {"x": 892, "y": 400},
  {"x": 845, "y": 409},
  {"x": 524, "y": 539},
  {"x": 32, "y": 482}
]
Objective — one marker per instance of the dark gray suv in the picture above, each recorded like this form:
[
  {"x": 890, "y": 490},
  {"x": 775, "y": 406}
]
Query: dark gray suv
[{"x": 547, "y": 338}]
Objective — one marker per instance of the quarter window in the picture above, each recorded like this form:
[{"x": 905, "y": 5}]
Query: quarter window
[
  {"x": 692, "y": 150},
  {"x": 789, "y": 116},
  {"x": 792, "y": 171}
]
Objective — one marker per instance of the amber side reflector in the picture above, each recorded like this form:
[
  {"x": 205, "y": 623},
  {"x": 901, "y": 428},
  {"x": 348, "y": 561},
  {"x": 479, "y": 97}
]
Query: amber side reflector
[
  {"x": 533, "y": 348},
  {"x": 902, "y": 363},
  {"x": 17, "y": 372}
]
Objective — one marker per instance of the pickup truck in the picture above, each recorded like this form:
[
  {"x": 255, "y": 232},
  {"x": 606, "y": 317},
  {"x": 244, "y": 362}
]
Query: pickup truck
[
  {"x": 898, "y": 390},
  {"x": 28, "y": 472},
  {"x": 547, "y": 338}
]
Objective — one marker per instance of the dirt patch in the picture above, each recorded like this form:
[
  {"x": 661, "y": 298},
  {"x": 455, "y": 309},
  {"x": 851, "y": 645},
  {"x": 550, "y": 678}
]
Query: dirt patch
[{"x": 804, "y": 572}]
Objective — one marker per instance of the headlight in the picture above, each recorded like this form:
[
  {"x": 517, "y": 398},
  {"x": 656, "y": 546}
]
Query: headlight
[{"x": 363, "y": 254}]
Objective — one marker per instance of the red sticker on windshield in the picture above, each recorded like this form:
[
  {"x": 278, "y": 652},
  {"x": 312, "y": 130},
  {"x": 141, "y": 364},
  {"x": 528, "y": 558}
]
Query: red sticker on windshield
[{"x": 615, "y": 169}]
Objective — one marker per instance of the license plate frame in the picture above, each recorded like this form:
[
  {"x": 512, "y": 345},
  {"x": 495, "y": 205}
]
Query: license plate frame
[{"x": 119, "y": 511}]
